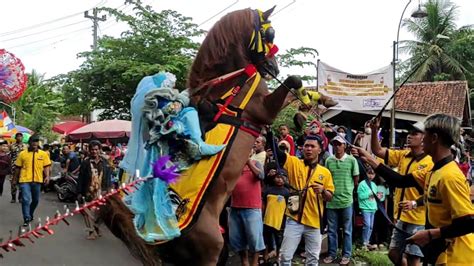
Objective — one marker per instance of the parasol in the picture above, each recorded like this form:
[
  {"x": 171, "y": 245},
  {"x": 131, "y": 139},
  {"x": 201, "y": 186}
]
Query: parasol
[
  {"x": 67, "y": 126},
  {"x": 13, "y": 79},
  {"x": 23, "y": 129},
  {"x": 108, "y": 129}
]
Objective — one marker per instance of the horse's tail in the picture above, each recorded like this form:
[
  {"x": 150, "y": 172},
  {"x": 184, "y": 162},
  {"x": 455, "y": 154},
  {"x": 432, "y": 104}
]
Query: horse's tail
[{"x": 118, "y": 219}]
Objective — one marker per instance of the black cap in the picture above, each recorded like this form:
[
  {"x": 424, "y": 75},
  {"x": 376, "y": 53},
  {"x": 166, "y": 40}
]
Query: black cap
[
  {"x": 34, "y": 139},
  {"x": 2, "y": 141}
]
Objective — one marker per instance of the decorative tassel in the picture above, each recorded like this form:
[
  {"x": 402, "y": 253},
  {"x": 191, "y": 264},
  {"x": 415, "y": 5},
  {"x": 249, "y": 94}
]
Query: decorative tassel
[
  {"x": 169, "y": 175},
  {"x": 160, "y": 170}
]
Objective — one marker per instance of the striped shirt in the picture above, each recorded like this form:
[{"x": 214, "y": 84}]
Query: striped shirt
[{"x": 343, "y": 171}]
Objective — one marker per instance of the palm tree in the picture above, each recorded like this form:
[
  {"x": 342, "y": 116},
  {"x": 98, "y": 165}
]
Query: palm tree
[{"x": 439, "y": 49}]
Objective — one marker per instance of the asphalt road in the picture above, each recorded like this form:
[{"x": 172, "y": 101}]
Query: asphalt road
[{"x": 68, "y": 246}]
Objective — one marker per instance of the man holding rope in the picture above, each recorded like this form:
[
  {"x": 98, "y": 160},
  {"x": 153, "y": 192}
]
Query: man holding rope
[
  {"x": 446, "y": 195},
  {"x": 313, "y": 184},
  {"x": 406, "y": 161}
]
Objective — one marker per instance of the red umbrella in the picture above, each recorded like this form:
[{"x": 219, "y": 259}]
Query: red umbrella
[
  {"x": 109, "y": 129},
  {"x": 67, "y": 126}
]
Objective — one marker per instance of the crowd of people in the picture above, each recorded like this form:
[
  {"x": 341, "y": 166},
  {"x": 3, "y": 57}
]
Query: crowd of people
[
  {"x": 291, "y": 192},
  {"x": 29, "y": 167}
]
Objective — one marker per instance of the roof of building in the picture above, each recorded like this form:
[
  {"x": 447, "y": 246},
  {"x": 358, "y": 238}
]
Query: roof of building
[{"x": 449, "y": 97}]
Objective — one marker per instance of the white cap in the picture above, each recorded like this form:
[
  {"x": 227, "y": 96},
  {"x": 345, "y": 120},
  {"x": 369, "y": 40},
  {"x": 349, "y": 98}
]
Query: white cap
[
  {"x": 339, "y": 139},
  {"x": 419, "y": 126}
]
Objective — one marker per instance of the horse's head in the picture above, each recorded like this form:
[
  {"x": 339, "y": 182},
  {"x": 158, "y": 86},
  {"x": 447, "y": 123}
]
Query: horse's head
[
  {"x": 238, "y": 39},
  {"x": 262, "y": 48}
]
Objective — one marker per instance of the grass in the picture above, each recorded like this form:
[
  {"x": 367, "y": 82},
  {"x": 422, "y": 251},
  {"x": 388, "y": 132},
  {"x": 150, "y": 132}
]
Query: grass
[{"x": 379, "y": 258}]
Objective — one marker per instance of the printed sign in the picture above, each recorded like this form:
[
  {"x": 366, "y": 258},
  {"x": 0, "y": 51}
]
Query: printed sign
[{"x": 356, "y": 92}]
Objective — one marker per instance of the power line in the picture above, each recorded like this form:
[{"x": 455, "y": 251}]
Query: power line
[
  {"x": 220, "y": 12},
  {"x": 48, "y": 30},
  {"x": 52, "y": 37},
  {"x": 46, "y": 22},
  {"x": 283, "y": 8},
  {"x": 55, "y": 36}
]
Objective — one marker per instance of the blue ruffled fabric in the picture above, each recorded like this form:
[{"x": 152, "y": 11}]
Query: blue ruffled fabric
[{"x": 154, "y": 217}]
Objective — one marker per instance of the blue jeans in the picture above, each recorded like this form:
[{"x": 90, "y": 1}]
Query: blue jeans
[
  {"x": 335, "y": 218},
  {"x": 246, "y": 230},
  {"x": 399, "y": 238},
  {"x": 292, "y": 237},
  {"x": 368, "y": 217},
  {"x": 30, "y": 193}
]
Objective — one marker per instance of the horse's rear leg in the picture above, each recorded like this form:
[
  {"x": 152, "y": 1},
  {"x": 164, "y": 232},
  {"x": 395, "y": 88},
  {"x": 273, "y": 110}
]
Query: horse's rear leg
[{"x": 118, "y": 219}]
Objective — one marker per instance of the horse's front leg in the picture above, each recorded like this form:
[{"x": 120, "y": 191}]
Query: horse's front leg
[
  {"x": 277, "y": 98},
  {"x": 266, "y": 109}
]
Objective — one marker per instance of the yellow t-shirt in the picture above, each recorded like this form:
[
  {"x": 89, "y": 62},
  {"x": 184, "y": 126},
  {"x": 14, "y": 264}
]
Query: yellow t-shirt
[
  {"x": 32, "y": 165},
  {"x": 447, "y": 198},
  {"x": 406, "y": 164},
  {"x": 297, "y": 177},
  {"x": 274, "y": 210}
]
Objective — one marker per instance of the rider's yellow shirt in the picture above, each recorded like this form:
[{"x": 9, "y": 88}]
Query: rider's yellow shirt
[{"x": 297, "y": 178}]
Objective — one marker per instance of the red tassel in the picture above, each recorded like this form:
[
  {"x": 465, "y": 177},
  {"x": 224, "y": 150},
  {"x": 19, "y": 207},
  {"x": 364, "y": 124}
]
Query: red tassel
[
  {"x": 18, "y": 243},
  {"x": 27, "y": 237}
]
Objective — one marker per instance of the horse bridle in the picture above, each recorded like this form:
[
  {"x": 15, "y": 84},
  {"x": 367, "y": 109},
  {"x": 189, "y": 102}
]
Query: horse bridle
[
  {"x": 261, "y": 42},
  {"x": 261, "y": 47}
]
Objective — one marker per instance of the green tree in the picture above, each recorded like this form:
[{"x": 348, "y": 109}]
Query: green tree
[
  {"x": 76, "y": 102},
  {"x": 442, "y": 51},
  {"x": 302, "y": 57},
  {"x": 155, "y": 41},
  {"x": 39, "y": 106}
]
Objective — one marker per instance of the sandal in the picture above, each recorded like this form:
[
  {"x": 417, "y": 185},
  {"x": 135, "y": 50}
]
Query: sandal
[
  {"x": 345, "y": 261},
  {"x": 328, "y": 260},
  {"x": 91, "y": 237}
]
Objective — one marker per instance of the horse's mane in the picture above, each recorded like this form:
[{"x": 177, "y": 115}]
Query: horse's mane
[{"x": 223, "y": 50}]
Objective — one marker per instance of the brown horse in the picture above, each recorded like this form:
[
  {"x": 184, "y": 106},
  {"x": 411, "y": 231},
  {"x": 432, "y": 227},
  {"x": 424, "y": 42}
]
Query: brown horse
[{"x": 229, "y": 46}]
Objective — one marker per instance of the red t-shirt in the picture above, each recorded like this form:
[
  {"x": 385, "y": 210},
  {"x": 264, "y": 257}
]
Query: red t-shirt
[
  {"x": 289, "y": 138},
  {"x": 464, "y": 168},
  {"x": 248, "y": 191}
]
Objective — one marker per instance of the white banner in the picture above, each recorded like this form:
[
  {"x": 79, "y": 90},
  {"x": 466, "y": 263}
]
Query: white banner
[{"x": 356, "y": 92}]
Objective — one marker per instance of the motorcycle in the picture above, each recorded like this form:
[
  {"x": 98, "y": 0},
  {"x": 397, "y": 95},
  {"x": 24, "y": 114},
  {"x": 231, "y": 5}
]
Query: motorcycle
[
  {"x": 55, "y": 177},
  {"x": 67, "y": 190}
]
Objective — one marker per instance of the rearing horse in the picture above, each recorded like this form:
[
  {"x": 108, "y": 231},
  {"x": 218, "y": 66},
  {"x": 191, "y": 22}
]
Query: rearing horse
[{"x": 240, "y": 43}]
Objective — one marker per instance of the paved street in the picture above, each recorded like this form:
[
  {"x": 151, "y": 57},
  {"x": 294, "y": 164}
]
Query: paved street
[{"x": 67, "y": 246}]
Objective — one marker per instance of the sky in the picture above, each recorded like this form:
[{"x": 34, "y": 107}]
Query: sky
[{"x": 354, "y": 36}]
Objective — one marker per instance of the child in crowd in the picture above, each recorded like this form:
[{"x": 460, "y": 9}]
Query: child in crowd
[
  {"x": 380, "y": 231},
  {"x": 274, "y": 203},
  {"x": 368, "y": 206},
  {"x": 285, "y": 135}
]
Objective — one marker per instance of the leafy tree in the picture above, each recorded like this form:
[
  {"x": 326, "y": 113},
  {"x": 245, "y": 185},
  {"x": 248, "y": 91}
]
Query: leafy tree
[
  {"x": 75, "y": 101},
  {"x": 295, "y": 57},
  {"x": 298, "y": 57},
  {"x": 154, "y": 42},
  {"x": 442, "y": 51},
  {"x": 39, "y": 106}
]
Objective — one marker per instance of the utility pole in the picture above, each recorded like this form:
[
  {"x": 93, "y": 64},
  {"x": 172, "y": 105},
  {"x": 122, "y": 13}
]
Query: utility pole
[{"x": 95, "y": 20}]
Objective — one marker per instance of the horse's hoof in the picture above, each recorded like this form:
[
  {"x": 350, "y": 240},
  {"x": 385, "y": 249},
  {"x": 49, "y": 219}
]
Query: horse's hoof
[{"x": 328, "y": 103}]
